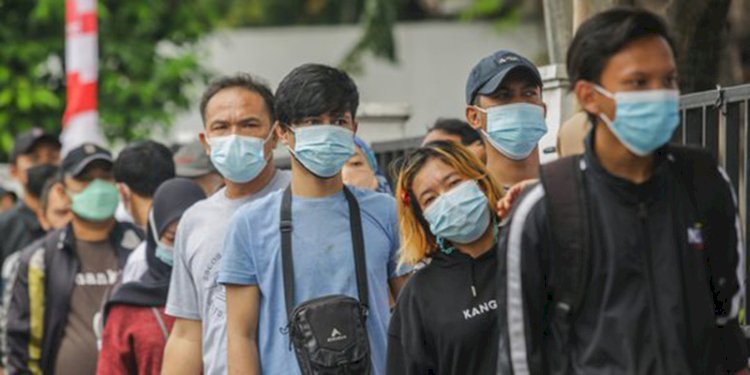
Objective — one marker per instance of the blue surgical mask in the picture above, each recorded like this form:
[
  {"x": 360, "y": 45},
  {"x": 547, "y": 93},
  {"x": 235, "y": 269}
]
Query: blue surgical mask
[
  {"x": 644, "y": 120},
  {"x": 239, "y": 158},
  {"x": 323, "y": 149},
  {"x": 164, "y": 253},
  {"x": 515, "y": 129},
  {"x": 460, "y": 215}
]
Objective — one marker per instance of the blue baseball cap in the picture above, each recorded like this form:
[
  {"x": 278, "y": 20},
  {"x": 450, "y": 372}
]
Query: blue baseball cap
[{"x": 490, "y": 72}]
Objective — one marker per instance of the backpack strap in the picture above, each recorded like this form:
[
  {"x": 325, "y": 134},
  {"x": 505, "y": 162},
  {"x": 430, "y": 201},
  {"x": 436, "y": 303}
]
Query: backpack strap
[
  {"x": 358, "y": 245},
  {"x": 568, "y": 220}
]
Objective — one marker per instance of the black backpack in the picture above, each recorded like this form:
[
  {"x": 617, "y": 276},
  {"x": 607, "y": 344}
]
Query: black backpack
[
  {"x": 328, "y": 334},
  {"x": 568, "y": 218}
]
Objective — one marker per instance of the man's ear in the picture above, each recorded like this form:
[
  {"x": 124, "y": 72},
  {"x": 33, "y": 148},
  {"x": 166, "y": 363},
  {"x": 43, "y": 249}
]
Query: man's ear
[
  {"x": 282, "y": 133},
  {"x": 474, "y": 117},
  {"x": 586, "y": 96},
  {"x": 14, "y": 171},
  {"x": 59, "y": 189},
  {"x": 204, "y": 141},
  {"x": 124, "y": 192}
]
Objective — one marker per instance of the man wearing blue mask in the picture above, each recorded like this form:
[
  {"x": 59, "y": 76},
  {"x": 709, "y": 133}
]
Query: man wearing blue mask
[
  {"x": 325, "y": 229},
  {"x": 627, "y": 259},
  {"x": 504, "y": 103},
  {"x": 238, "y": 116},
  {"x": 62, "y": 282}
]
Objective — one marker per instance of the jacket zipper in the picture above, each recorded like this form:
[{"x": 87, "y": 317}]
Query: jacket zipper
[{"x": 643, "y": 218}]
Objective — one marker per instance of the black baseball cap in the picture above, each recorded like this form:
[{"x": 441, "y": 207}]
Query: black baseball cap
[
  {"x": 26, "y": 141},
  {"x": 489, "y": 73},
  {"x": 80, "y": 157}
]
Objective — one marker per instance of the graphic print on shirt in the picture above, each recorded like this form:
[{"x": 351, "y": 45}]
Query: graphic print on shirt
[
  {"x": 106, "y": 278},
  {"x": 480, "y": 309},
  {"x": 218, "y": 295},
  {"x": 695, "y": 237}
]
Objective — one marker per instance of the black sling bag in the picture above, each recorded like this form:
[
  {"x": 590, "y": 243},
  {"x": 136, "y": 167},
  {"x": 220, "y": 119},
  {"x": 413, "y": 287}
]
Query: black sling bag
[{"x": 328, "y": 333}]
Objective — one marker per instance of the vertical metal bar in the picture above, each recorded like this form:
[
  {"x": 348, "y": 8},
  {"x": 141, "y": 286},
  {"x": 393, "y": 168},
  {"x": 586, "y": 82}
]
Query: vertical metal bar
[
  {"x": 684, "y": 126},
  {"x": 744, "y": 124},
  {"x": 703, "y": 126},
  {"x": 722, "y": 135}
]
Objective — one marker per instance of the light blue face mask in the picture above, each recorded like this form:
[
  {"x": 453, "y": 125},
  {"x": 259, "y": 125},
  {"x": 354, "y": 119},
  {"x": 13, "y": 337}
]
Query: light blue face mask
[
  {"x": 323, "y": 149},
  {"x": 163, "y": 252},
  {"x": 460, "y": 215},
  {"x": 515, "y": 129},
  {"x": 644, "y": 120},
  {"x": 97, "y": 202},
  {"x": 239, "y": 158}
]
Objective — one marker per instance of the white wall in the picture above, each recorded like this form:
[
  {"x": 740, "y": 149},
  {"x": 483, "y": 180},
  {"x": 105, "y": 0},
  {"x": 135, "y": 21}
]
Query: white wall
[{"x": 434, "y": 61}]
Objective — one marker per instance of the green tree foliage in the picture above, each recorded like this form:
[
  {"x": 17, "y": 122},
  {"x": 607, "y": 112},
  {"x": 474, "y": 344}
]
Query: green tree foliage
[{"x": 147, "y": 63}]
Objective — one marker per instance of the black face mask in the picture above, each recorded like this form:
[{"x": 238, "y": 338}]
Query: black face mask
[{"x": 37, "y": 176}]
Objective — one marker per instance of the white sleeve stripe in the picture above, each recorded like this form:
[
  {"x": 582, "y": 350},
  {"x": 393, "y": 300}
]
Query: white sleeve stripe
[
  {"x": 516, "y": 328},
  {"x": 739, "y": 296}
]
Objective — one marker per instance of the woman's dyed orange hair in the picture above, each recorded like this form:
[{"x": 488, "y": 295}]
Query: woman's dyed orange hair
[{"x": 417, "y": 242}]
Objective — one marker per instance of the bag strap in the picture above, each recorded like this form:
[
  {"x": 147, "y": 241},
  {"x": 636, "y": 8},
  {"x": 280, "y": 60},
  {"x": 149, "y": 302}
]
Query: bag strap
[
  {"x": 358, "y": 244},
  {"x": 160, "y": 321},
  {"x": 568, "y": 220}
]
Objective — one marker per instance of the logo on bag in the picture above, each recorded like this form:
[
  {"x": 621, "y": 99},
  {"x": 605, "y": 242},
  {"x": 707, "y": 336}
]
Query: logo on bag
[
  {"x": 336, "y": 335},
  {"x": 695, "y": 237}
]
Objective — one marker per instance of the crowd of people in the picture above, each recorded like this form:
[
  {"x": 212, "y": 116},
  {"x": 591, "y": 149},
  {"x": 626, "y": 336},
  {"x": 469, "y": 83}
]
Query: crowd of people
[{"x": 470, "y": 258}]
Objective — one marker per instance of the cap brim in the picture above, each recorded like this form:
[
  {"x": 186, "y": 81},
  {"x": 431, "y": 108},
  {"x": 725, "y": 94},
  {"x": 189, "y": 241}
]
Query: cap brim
[
  {"x": 192, "y": 172},
  {"x": 81, "y": 166},
  {"x": 492, "y": 85},
  {"x": 33, "y": 143}
]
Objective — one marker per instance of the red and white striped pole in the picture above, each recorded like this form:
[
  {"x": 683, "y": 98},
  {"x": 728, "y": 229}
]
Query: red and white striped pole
[{"x": 81, "y": 119}]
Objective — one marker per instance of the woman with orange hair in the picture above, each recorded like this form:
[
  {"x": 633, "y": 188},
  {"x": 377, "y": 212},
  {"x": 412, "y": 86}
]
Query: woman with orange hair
[{"x": 445, "y": 320}]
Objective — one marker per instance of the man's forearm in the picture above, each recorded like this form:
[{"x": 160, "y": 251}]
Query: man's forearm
[
  {"x": 243, "y": 355},
  {"x": 182, "y": 356}
]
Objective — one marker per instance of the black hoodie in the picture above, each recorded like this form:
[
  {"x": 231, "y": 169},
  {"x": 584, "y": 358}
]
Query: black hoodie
[{"x": 445, "y": 320}]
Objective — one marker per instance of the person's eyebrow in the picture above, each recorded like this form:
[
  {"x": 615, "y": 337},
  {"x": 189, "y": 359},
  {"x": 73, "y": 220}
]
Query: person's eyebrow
[
  {"x": 449, "y": 176},
  {"x": 218, "y": 122}
]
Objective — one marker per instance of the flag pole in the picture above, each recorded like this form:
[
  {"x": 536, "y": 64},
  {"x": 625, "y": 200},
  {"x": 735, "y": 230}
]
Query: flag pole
[{"x": 81, "y": 118}]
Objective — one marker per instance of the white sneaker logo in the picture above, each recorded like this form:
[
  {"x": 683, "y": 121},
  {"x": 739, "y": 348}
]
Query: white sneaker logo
[{"x": 336, "y": 335}]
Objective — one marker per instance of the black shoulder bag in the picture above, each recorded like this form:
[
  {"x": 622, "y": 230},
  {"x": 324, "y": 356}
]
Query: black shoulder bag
[{"x": 328, "y": 333}]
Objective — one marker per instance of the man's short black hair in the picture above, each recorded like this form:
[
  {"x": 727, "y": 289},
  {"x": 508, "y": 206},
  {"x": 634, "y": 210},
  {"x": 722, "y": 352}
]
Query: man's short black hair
[
  {"x": 314, "y": 90},
  {"x": 241, "y": 80},
  {"x": 143, "y": 166},
  {"x": 458, "y": 128},
  {"x": 605, "y": 34}
]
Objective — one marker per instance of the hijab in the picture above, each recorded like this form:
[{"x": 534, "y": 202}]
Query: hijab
[{"x": 171, "y": 200}]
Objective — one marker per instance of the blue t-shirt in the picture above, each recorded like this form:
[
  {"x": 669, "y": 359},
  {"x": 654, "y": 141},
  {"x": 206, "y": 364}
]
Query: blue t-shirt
[{"x": 323, "y": 264}]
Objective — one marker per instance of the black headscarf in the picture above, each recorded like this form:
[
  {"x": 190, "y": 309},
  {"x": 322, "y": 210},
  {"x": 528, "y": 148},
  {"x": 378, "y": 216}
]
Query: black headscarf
[{"x": 171, "y": 200}]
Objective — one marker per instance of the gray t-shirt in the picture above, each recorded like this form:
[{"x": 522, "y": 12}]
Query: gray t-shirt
[{"x": 194, "y": 292}]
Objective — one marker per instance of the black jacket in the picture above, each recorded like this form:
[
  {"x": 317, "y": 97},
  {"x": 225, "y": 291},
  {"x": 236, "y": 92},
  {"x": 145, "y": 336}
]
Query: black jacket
[
  {"x": 440, "y": 325},
  {"x": 41, "y": 294},
  {"x": 18, "y": 228},
  {"x": 649, "y": 306}
]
